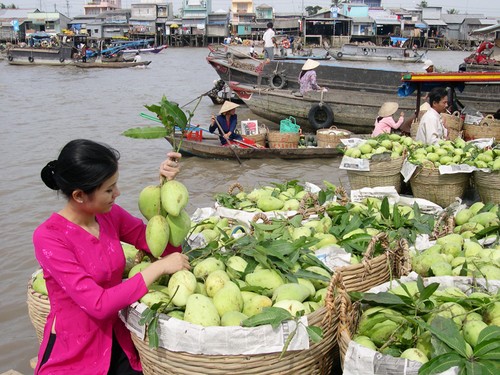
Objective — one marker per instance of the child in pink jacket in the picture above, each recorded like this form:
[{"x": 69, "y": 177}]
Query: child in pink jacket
[
  {"x": 384, "y": 122},
  {"x": 82, "y": 259}
]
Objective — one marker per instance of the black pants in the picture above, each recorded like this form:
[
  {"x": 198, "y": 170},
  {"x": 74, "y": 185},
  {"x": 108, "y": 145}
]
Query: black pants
[{"x": 120, "y": 365}]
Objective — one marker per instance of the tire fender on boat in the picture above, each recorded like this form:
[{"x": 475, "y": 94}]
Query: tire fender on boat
[
  {"x": 61, "y": 59},
  {"x": 339, "y": 54},
  {"x": 31, "y": 59},
  {"x": 10, "y": 58},
  {"x": 325, "y": 114},
  {"x": 389, "y": 58},
  {"x": 365, "y": 52},
  {"x": 277, "y": 81}
]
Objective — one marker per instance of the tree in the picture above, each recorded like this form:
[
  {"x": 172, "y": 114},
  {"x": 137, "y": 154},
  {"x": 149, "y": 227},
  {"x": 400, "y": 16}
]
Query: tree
[
  {"x": 452, "y": 11},
  {"x": 312, "y": 9},
  {"x": 423, "y": 4}
]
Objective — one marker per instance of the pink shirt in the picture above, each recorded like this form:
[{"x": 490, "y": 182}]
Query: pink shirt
[
  {"x": 84, "y": 282},
  {"x": 386, "y": 124},
  {"x": 308, "y": 82}
]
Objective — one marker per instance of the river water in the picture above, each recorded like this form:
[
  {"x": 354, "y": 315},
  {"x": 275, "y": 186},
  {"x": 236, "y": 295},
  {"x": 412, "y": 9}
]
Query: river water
[{"x": 42, "y": 108}]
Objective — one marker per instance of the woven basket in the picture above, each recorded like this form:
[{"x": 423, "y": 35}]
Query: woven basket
[
  {"x": 331, "y": 137},
  {"x": 381, "y": 173},
  {"x": 373, "y": 271},
  {"x": 414, "y": 128},
  {"x": 441, "y": 189},
  {"x": 260, "y": 139},
  {"x": 283, "y": 140},
  {"x": 483, "y": 130},
  {"x": 489, "y": 120},
  {"x": 38, "y": 309},
  {"x": 320, "y": 358},
  {"x": 488, "y": 186}
]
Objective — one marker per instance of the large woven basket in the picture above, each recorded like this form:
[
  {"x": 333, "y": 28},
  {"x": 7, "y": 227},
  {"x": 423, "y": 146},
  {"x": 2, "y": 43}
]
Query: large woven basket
[
  {"x": 381, "y": 173},
  {"x": 484, "y": 130},
  {"x": 283, "y": 140},
  {"x": 488, "y": 186},
  {"x": 320, "y": 358},
  {"x": 38, "y": 309},
  {"x": 260, "y": 139},
  {"x": 454, "y": 123},
  {"x": 331, "y": 137},
  {"x": 373, "y": 271},
  {"x": 441, "y": 189},
  {"x": 489, "y": 120}
]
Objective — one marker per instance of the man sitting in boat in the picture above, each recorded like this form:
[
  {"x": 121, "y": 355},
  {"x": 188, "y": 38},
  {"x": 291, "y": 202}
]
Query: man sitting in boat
[
  {"x": 137, "y": 57},
  {"x": 384, "y": 122},
  {"x": 307, "y": 77},
  {"x": 432, "y": 128},
  {"x": 429, "y": 66},
  {"x": 226, "y": 123}
]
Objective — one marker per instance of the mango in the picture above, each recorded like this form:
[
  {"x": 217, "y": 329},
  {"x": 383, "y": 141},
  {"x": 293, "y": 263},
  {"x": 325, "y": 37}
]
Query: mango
[
  {"x": 414, "y": 354},
  {"x": 257, "y": 194},
  {"x": 157, "y": 235},
  {"x": 207, "y": 266},
  {"x": 310, "y": 306},
  {"x": 200, "y": 288},
  {"x": 270, "y": 204},
  {"x": 253, "y": 303},
  {"x": 39, "y": 284},
  {"x": 265, "y": 278},
  {"x": 320, "y": 296},
  {"x": 490, "y": 272},
  {"x": 463, "y": 216},
  {"x": 228, "y": 299},
  {"x": 472, "y": 249},
  {"x": 476, "y": 207},
  {"x": 183, "y": 283},
  {"x": 381, "y": 332},
  {"x": 150, "y": 298},
  {"x": 492, "y": 314},
  {"x": 319, "y": 284},
  {"x": 232, "y": 318},
  {"x": 292, "y": 306},
  {"x": 201, "y": 310},
  {"x": 138, "y": 268},
  {"x": 308, "y": 284},
  {"x": 235, "y": 266},
  {"x": 441, "y": 269},
  {"x": 471, "y": 331},
  {"x": 452, "y": 237},
  {"x": 290, "y": 291},
  {"x": 215, "y": 281},
  {"x": 179, "y": 227},
  {"x": 486, "y": 219},
  {"x": 149, "y": 201},
  {"x": 177, "y": 314},
  {"x": 424, "y": 343},
  {"x": 174, "y": 197},
  {"x": 366, "y": 342},
  {"x": 291, "y": 205}
]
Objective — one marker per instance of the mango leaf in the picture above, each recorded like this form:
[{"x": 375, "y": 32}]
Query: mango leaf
[
  {"x": 315, "y": 333},
  {"x": 147, "y": 132},
  {"x": 397, "y": 220},
  {"x": 383, "y": 298},
  {"x": 446, "y": 330},
  {"x": 269, "y": 315},
  {"x": 442, "y": 363},
  {"x": 439, "y": 347},
  {"x": 488, "y": 350},
  {"x": 489, "y": 367},
  {"x": 384, "y": 208},
  {"x": 152, "y": 334},
  {"x": 311, "y": 275},
  {"x": 488, "y": 334},
  {"x": 428, "y": 291}
]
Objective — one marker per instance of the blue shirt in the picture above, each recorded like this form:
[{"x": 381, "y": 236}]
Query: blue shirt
[{"x": 231, "y": 127}]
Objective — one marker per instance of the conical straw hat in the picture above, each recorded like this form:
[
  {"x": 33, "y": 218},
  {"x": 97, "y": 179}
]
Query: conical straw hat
[
  {"x": 227, "y": 106},
  {"x": 310, "y": 64},
  {"x": 388, "y": 109}
]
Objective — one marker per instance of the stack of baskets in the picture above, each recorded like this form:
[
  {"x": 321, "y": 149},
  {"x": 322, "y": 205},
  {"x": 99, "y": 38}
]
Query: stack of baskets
[
  {"x": 489, "y": 127},
  {"x": 442, "y": 189},
  {"x": 488, "y": 186},
  {"x": 381, "y": 173},
  {"x": 38, "y": 309},
  {"x": 454, "y": 123},
  {"x": 331, "y": 137}
]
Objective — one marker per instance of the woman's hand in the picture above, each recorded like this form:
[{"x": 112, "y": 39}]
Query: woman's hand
[
  {"x": 212, "y": 120},
  {"x": 402, "y": 114},
  {"x": 170, "y": 167},
  {"x": 174, "y": 262}
]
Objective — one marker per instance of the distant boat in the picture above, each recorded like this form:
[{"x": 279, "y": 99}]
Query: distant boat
[
  {"x": 112, "y": 65},
  {"x": 145, "y": 50},
  {"x": 353, "y": 52}
]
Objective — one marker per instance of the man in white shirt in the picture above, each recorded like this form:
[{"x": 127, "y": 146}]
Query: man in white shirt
[
  {"x": 137, "y": 57},
  {"x": 269, "y": 41},
  {"x": 431, "y": 128}
]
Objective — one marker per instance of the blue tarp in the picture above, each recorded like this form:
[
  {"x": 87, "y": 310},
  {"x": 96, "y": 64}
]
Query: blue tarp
[
  {"x": 408, "y": 88},
  {"x": 421, "y": 25},
  {"x": 395, "y": 39}
]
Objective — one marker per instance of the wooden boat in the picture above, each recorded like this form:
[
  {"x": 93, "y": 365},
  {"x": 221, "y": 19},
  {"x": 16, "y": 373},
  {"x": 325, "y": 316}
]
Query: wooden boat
[
  {"x": 353, "y": 52},
  {"x": 145, "y": 50},
  {"x": 112, "y": 65},
  {"x": 358, "y": 85},
  {"x": 211, "y": 148}
]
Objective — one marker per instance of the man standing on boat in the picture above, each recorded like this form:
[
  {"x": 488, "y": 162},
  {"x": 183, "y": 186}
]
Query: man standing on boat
[
  {"x": 269, "y": 41},
  {"x": 431, "y": 128}
]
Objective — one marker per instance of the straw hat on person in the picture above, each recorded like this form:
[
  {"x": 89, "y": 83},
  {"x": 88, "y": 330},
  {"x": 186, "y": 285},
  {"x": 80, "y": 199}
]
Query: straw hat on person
[
  {"x": 388, "y": 109},
  {"x": 310, "y": 64},
  {"x": 227, "y": 106},
  {"x": 427, "y": 64}
]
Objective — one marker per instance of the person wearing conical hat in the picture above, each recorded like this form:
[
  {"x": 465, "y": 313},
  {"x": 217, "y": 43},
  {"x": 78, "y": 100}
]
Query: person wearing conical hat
[
  {"x": 226, "y": 123},
  {"x": 307, "y": 77},
  {"x": 384, "y": 122}
]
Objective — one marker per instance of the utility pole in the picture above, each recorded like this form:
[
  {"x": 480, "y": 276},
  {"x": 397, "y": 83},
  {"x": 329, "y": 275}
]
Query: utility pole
[{"x": 67, "y": 8}]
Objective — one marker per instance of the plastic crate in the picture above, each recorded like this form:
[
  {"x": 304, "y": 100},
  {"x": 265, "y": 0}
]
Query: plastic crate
[{"x": 289, "y": 125}]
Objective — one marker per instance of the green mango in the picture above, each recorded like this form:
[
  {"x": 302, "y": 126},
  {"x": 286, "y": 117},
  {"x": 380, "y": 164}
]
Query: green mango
[
  {"x": 215, "y": 281},
  {"x": 207, "y": 266},
  {"x": 174, "y": 197},
  {"x": 292, "y": 306},
  {"x": 179, "y": 227},
  {"x": 149, "y": 201},
  {"x": 265, "y": 278},
  {"x": 39, "y": 284},
  {"x": 157, "y": 235},
  {"x": 253, "y": 303},
  {"x": 181, "y": 285},
  {"x": 228, "y": 299},
  {"x": 290, "y": 291},
  {"x": 232, "y": 318},
  {"x": 270, "y": 203},
  {"x": 200, "y": 310}
]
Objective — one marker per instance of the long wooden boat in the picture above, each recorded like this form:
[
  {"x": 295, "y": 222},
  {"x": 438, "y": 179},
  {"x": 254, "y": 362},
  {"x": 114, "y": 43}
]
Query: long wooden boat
[
  {"x": 111, "y": 65},
  {"x": 145, "y": 50},
  {"x": 353, "y": 52},
  {"x": 358, "y": 84},
  {"x": 211, "y": 148}
]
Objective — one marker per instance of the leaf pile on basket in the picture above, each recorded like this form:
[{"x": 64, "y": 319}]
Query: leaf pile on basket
[{"x": 423, "y": 325}]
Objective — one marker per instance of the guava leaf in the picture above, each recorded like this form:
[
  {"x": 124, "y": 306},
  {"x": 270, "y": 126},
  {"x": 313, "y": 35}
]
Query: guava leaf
[
  {"x": 147, "y": 132},
  {"x": 269, "y": 315},
  {"x": 315, "y": 333},
  {"x": 383, "y": 298},
  {"x": 442, "y": 363}
]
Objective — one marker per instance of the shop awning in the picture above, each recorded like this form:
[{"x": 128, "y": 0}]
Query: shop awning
[{"x": 421, "y": 25}]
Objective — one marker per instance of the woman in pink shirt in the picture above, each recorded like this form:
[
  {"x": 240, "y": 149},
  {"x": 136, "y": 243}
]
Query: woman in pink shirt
[
  {"x": 82, "y": 259},
  {"x": 384, "y": 122}
]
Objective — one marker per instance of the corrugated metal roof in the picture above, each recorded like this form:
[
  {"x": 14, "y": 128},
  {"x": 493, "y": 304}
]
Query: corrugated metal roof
[
  {"x": 362, "y": 20},
  {"x": 435, "y": 22},
  {"x": 486, "y": 21}
]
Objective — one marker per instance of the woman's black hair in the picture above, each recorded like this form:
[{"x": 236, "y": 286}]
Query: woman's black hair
[{"x": 82, "y": 164}]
